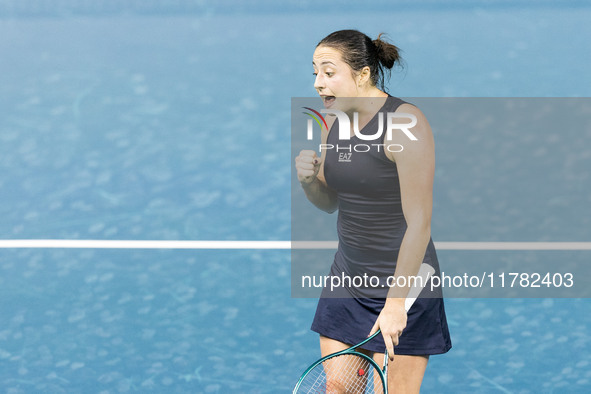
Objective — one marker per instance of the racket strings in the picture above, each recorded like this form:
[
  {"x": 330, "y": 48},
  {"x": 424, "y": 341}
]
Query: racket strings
[{"x": 344, "y": 374}]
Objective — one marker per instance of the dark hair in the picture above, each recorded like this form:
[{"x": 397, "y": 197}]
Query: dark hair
[{"x": 358, "y": 51}]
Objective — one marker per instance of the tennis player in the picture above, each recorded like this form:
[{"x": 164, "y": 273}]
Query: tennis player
[{"x": 384, "y": 200}]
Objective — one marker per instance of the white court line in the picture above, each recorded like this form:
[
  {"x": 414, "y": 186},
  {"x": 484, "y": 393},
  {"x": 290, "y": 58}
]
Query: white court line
[
  {"x": 513, "y": 245},
  {"x": 162, "y": 244}
]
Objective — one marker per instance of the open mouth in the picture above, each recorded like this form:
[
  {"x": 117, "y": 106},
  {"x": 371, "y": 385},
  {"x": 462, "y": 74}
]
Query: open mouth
[{"x": 328, "y": 100}]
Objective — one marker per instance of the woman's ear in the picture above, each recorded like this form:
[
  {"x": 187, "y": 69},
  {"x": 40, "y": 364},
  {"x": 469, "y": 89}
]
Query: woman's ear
[{"x": 363, "y": 76}]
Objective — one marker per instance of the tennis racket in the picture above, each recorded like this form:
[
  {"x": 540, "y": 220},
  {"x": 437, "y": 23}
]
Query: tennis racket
[{"x": 350, "y": 371}]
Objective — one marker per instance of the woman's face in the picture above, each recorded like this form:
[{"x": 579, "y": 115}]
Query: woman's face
[{"x": 334, "y": 77}]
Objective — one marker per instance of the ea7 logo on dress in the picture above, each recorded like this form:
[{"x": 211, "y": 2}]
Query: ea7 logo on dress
[
  {"x": 345, "y": 130},
  {"x": 345, "y": 157}
]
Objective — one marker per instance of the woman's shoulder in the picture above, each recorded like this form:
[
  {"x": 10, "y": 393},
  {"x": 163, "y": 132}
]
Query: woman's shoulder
[
  {"x": 400, "y": 105},
  {"x": 415, "y": 132}
]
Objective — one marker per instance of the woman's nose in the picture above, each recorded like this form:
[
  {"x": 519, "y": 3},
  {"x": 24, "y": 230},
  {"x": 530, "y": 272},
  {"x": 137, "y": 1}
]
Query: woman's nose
[{"x": 319, "y": 83}]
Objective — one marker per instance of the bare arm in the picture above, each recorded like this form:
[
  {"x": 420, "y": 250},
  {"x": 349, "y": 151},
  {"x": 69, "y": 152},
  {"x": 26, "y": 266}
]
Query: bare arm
[
  {"x": 321, "y": 195},
  {"x": 310, "y": 170},
  {"x": 416, "y": 167}
]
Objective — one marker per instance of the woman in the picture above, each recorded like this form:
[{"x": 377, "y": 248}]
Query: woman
[{"x": 384, "y": 198}]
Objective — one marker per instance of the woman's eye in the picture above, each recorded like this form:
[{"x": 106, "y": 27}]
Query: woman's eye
[
  {"x": 315, "y": 74},
  {"x": 329, "y": 74}
]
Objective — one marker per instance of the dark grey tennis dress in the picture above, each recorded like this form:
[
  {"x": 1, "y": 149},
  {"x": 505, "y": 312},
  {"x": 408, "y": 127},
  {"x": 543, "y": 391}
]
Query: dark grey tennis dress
[{"x": 370, "y": 227}]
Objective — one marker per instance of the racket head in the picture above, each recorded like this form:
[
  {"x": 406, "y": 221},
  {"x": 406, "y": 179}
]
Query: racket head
[{"x": 344, "y": 372}]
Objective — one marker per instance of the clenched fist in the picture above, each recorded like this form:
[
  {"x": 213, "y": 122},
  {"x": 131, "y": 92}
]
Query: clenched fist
[{"x": 307, "y": 164}]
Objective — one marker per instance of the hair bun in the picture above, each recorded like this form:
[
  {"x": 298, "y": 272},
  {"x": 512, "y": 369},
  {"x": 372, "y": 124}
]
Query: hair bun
[
  {"x": 359, "y": 51},
  {"x": 388, "y": 54}
]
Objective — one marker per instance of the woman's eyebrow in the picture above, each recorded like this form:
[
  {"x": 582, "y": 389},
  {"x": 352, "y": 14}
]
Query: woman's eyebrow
[{"x": 325, "y": 62}]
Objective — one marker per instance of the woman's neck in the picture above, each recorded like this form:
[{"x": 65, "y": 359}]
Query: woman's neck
[
  {"x": 368, "y": 103},
  {"x": 367, "y": 106}
]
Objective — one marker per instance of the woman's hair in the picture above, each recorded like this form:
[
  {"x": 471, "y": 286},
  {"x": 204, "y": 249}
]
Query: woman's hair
[{"x": 358, "y": 51}]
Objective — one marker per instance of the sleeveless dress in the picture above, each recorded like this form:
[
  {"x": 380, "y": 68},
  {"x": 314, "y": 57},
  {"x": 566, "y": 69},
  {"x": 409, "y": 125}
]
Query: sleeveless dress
[{"x": 370, "y": 227}]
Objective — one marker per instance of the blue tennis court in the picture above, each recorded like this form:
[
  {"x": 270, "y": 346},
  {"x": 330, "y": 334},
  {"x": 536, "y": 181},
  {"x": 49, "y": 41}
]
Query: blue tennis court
[{"x": 171, "y": 121}]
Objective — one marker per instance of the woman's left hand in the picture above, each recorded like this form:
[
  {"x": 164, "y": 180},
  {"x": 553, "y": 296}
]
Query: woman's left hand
[{"x": 392, "y": 321}]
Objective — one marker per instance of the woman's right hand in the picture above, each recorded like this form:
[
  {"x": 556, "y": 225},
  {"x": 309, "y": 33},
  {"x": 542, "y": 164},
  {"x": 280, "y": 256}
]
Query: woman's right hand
[{"x": 307, "y": 165}]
